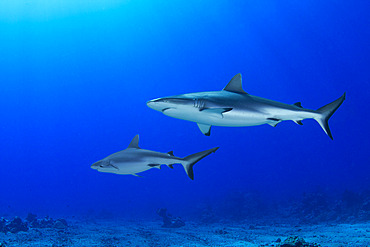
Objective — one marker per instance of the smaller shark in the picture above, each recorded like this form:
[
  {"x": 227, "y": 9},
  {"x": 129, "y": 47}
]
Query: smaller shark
[
  {"x": 233, "y": 107},
  {"x": 133, "y": 160}
]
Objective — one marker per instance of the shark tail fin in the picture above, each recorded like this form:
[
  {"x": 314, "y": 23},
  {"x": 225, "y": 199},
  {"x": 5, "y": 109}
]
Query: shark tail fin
[
  {"x": 326, "y": 112},
  {"x": 189, "y": 161}
]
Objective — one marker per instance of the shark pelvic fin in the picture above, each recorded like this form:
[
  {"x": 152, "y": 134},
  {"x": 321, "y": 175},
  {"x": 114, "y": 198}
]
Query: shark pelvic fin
[
  {"x": 299, "y": 122},
  {"x": 134, "y": 143},
  {"x": 205, "y": 128},
  {"x": 273, "y": 124},
  {"x": 235, "y": 84},
  {"x": 275, "y": 121}
]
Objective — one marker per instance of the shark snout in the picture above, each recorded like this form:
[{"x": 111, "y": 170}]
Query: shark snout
[
  {"x": 104, "y": 166},
  {"x": 158, "y": 104},
  {"x": 96, "y": 165},
  {"x": 150, "y": 103}
]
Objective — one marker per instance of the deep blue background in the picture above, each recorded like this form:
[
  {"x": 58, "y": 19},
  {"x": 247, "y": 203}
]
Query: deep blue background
[{"x": 74, "y": 80}]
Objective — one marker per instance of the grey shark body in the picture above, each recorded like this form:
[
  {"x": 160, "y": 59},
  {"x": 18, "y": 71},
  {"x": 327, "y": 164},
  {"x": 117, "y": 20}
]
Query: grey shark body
[
  {"x": 134, "y": 160},
  {"x": 233, "y": 107}
]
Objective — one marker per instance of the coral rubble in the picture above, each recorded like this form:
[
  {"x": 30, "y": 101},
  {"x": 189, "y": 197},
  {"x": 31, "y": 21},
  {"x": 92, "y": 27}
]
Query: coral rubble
[
  {"x": 168, "y": 220},
  {"x": 297, "y": 242},
  {"x": 14, "y": 226},
  {"x": 17, "y": 225}
]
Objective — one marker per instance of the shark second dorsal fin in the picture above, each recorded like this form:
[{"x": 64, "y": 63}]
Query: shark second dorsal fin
[
  {"x": 134, "y": 143},
  {"x": 235, "y": 85}
]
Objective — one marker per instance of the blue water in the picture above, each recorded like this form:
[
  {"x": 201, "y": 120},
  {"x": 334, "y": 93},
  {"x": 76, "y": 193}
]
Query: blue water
[{"x": 75, "y": 78}]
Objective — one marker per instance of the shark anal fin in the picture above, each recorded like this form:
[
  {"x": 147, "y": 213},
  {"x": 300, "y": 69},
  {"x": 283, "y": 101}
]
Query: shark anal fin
[
  {"x": 299, "y": 122},
  {"x": 235, "y": 85},
  {"x": 299, "y": 104},
  {"x": 216, "y": 112},
  {"x": 170, "y": 153},
  {"x": 155, "y": 166},
  {"x": 205, "y": 128},
  {"x": 135, "y": 142}
]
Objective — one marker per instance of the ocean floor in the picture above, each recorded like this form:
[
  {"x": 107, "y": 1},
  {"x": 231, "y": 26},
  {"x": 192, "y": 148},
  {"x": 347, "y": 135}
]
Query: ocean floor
[{"x": 133, "y": 233}]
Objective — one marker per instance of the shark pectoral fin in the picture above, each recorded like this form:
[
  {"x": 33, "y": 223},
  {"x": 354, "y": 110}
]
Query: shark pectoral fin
[
  {"x": 155, "y": 166},
  {"x": 216, "y": 112},
  {"x": 205, "y": 128},
  {"x": 299, "y": 122},
  {"x": 275, "y": 121}
]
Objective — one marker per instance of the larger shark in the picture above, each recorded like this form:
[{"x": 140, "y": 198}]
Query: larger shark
[
  {"x": 133, "y": 160},
  {"x": 233, "y": 107}
]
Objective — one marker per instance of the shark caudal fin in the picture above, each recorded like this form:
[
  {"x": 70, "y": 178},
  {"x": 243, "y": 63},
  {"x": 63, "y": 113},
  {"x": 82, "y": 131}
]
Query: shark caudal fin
[
  {"x": 326, "y": 112},
  {"x": 189, "y": 161}
]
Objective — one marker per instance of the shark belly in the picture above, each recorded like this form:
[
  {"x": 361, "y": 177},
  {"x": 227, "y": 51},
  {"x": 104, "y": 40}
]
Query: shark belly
[
  {"x": 243, "y": 116},
  {"x": 126, "y": 168},
  {"x": 132, "y": 168},
  {"x": 233, "y": 118},
  {"x": 143, "y": 161},
  {"x": 265, "y": 115}
]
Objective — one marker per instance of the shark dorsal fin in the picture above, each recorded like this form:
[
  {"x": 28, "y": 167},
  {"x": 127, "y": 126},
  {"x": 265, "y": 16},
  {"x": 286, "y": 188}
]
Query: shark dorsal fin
[
  {"x": 235, "y": 85},
  {"x": 135, "y": 142},
  {"x": 299, "y": 104},
  {"x": 170, "y": 153}
]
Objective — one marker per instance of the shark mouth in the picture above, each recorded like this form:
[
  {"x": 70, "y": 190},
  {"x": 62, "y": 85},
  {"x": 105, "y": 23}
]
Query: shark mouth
[{"x": 165, "y": 109}]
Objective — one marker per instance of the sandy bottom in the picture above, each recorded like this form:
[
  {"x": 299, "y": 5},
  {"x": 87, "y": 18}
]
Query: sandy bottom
[{"x": 128, "y": 233}]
